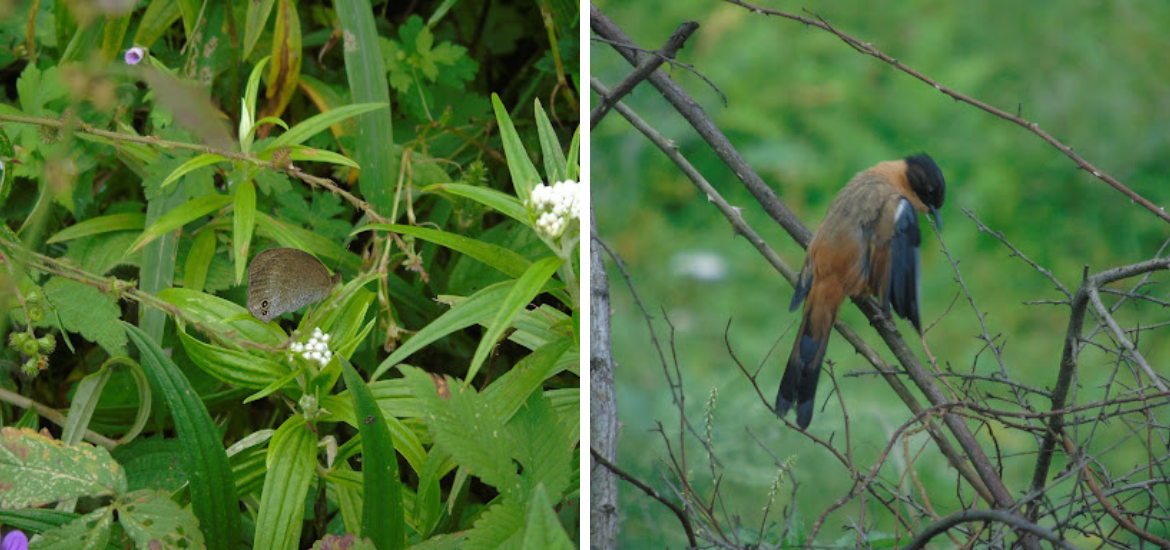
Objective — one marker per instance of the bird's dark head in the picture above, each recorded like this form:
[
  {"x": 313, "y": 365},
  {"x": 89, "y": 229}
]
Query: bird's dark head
[{"x": 926, "y": 180}]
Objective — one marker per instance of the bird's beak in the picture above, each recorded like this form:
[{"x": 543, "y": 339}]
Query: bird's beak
[{"x": 937, "y": 218}]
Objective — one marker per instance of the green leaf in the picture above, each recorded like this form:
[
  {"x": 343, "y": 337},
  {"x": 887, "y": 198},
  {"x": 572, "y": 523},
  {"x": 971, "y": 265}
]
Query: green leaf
[
  {"x": 99, "y": 225},
  {"x": 524, "y": 174},
  {"x": 199, "y": 261},
  {"x": 477, "y": 309},
  {"x": 511, "y": 390},
  {"x": 382, "y": 515},
  {"x": 573, "y": 163},
  {"x": 501, "y": 202},
  {"x": 50, "y": 471},
  {"x": 554, "y": 159},
  {"x": 155, "y": 21},
  {"x": 233, "y": 367},
  {"x": 525, "y": 289},
  {"x": 319, "y": 123},
  {"x": 89, "y": 391},
  {"x": 212, "y": 487},
  {"x": 366, "y": 74},
  {"x": 113, "y": 34},
  {"x": 543, "y": 446},
  {"x": 89, "y": 532},
  {"x": 87, "y": 311},
  {"x": 102, "y": 253},
  {"x": 257, "y": 19},
  {"x": 201, "y": 161},
  {"x": 286, "y": 58},
  {"x": 157, "y": 270},
  {"x": 501, "y": 526},
  {"x": 190, "y": 11},
  {"x": 291, "y": 457},
  {"x": 542, "y": 530},
  {"x": 466, "y": 426},
  {"x": 243, "y": 223},
  {"x": 309, "y": 154},
  {"x": 495, "y": 256},
  {"x": 180, "y": 216},
  {"x": 328, "y": 250},
  {"x": 248, "y": 123},
  {"x": 216, "y": 312},
  {"x": 153, "y": 520}
]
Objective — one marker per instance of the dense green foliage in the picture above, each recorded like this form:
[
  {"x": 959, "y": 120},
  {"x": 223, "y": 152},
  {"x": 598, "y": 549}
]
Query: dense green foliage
[
  {"x": 148, "y": 152},
  {"x": 807, "y": 111}
]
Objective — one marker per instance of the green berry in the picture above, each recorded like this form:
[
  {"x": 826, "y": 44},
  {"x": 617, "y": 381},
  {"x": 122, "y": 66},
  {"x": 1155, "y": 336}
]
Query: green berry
[
  {"x": 29, "y": 347},
  {"x": 36, "y": 313},
  {"x": 47, "y": 343}
]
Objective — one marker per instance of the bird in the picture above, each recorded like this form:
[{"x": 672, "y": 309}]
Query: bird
[{"x": 868, "y": 245}]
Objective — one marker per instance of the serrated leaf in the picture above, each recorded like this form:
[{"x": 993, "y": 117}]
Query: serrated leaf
[
  {"x": 543, "y": 531},
  {"x": 83, "y": 309},
  {"x": 89, "y": 532},
  {"x": 290, "y": 460},
  {"x": 500, "y": 527},
  {"x": 100, "y": 225},
  {"x": 50, "y": 471},
  {"x": 153, "y": 520},
  {"x": 102, "y": 253},
  {"x": 466, "y": 426},
  {"x": 542, "y": 446}
]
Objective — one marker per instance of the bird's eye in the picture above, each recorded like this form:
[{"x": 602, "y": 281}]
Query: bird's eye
[{"x": 264, "y": 304}]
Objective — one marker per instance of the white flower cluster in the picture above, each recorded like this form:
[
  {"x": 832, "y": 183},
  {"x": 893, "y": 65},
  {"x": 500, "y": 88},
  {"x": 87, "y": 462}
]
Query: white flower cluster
[
  {"x": 555, "y": 206},
  {"x": 317, "y": 349}
]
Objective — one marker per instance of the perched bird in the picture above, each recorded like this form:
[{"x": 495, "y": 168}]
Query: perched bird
[{"x": 867, "y": 245}]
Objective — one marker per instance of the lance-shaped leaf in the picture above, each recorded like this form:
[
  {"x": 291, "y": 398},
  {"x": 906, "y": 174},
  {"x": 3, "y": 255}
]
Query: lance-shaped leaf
[
  {"x": 382, "y": 516},
  {"x": 525, "y": 289},
  {"x": 286, "y": 58},
  {"x": 180, "y": 216},
  {"x": 212, "y": 487}
]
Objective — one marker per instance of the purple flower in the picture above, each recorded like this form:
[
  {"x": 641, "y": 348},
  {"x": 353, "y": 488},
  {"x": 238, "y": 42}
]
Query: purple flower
[
  {"x": 14, "y": 541},
  {"x": 133, "y": 57}
]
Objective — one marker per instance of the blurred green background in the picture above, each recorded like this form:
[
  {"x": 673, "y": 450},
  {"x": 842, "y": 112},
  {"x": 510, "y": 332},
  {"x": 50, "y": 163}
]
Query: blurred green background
[{"x": 808, "y": 112}]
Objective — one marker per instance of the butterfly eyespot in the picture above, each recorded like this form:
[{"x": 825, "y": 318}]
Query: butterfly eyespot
[
  {"x": 264, "y": 304},
  {"x": 264, "y": 312}
]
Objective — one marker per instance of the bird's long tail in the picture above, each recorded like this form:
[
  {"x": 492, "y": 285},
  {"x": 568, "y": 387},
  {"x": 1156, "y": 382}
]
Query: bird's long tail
[{"x": 799, "y": 385}]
